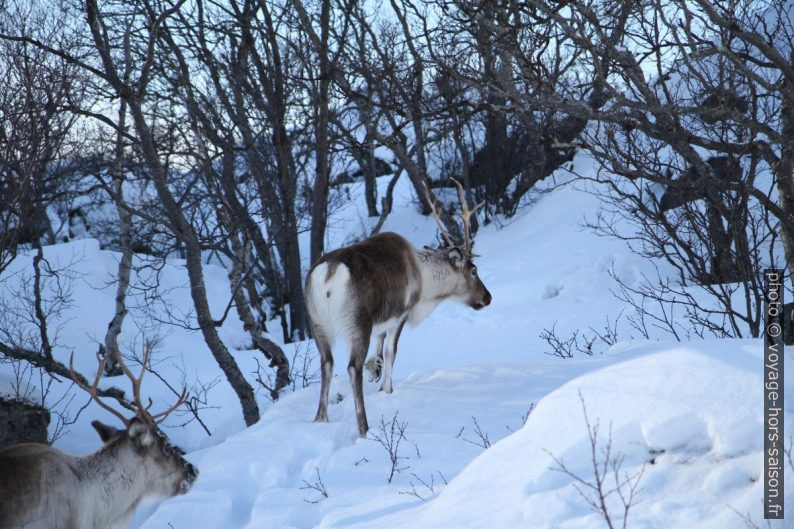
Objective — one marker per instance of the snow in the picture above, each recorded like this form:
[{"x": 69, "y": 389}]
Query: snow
[
  {"x": 687, "y": 414},
  {"x": 696, "y": 417}
]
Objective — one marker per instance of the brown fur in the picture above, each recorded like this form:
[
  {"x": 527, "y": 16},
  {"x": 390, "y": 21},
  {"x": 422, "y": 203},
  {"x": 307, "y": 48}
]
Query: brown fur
[{"x": 380, "y": 268}]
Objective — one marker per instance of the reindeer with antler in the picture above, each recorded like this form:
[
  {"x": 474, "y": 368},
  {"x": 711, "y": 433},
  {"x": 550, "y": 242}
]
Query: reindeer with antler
[
  {"x": 372, "y": 288},
  {"x": 43, "y": 487}
]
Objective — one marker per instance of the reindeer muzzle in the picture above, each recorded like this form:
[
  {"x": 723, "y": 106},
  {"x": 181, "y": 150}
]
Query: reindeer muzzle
[
  {"x": 482, "y": 303},
  {"x": 191, "y": 473}
]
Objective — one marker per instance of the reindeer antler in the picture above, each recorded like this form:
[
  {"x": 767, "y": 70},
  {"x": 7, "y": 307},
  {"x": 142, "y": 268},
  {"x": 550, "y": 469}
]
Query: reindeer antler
[
  {"x": 441, "y": 227},
  {"x": 136, "y": 381},
  {"x": 137, "y": 405},
  {"x": 91, "y": 390},
  {"x": 143, "y": 411},
  {"x": 465, "y": 215}
]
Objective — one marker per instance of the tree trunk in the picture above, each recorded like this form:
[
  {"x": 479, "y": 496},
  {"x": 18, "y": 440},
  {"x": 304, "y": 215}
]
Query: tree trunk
[
  {"x": 784, "y": 171},
  {"x": 111, "y": 347},
  {"x": 320, "y": 194},
  {"x": 370, "y": 181},
  {"x": 182, "y": 229},
  {"x": 237, "y": 278},
  {"x": 269, "y": 348}
]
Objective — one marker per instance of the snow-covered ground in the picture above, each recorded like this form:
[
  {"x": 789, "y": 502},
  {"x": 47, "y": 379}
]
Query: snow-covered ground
[
  {"x": 684, "y": 419},
  {"x": 685, "y": 413}
]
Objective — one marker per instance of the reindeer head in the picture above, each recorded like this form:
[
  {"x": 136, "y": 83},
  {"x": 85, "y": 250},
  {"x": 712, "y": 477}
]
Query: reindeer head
[
  {"x": 469, "y": 287},
  {"x": 166, "y": 471}
]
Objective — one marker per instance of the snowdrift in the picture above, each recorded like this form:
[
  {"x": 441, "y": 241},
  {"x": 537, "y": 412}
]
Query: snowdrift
[{"x": 688, "y": 417}]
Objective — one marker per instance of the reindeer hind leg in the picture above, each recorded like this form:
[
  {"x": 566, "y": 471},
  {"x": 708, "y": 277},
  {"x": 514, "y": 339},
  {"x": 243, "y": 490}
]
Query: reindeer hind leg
[
  {"x": 358, "y": 352},
  {"x": 327, "y": 371}
]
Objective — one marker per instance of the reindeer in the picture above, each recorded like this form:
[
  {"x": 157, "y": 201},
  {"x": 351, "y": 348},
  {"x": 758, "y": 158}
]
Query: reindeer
[
  {"x": 372, "y": 288},
  {"x": 41, "y": 487}
]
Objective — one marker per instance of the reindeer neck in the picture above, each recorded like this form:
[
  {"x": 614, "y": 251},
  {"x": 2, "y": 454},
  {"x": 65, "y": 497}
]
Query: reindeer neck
[
  {"x": 114, "y": 475},
  {"x": 438, "y": 279}
]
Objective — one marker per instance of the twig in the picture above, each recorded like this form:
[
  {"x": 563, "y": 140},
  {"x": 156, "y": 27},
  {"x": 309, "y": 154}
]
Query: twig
[
  {"x": 389, "y": 435},
  {"x": 605, "y": 463},
  {"x": 413, "y": 492},
  {"x": 482, "y": 437},
  {"x": 318, "y": 486}
]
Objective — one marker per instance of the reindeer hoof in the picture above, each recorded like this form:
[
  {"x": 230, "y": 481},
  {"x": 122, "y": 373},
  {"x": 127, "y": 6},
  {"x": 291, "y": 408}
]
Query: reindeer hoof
[{"x": 374, "y": 368}]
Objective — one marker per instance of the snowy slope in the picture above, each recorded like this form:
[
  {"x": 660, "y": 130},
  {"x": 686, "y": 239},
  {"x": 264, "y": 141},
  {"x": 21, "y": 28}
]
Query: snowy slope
[
  {"x": 701, "y": 432},
  {"x": 690, "y": 409},
  {"x": 693, "y": 408}
]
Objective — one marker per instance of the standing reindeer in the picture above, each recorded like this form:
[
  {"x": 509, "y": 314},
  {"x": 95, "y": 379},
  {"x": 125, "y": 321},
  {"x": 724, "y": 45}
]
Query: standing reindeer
[
  {"x": 41, "y": 487},
  {"x": 373, "y": 287}
]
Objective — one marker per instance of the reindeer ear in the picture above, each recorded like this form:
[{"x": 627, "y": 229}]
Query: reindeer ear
[
  {"x": 456, "y": 257},
  {"x": 139, "y": 432},
  {"x": 106, "y": 433}
]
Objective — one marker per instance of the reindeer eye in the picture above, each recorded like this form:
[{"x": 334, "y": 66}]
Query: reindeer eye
[{"x": 474, "y": 271}]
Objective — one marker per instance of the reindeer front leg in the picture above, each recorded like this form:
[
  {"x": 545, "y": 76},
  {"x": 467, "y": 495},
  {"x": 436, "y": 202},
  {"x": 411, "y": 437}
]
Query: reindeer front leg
[
  {"x": 374, "y": 364},
  {"x": 391, "y": 353}
]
